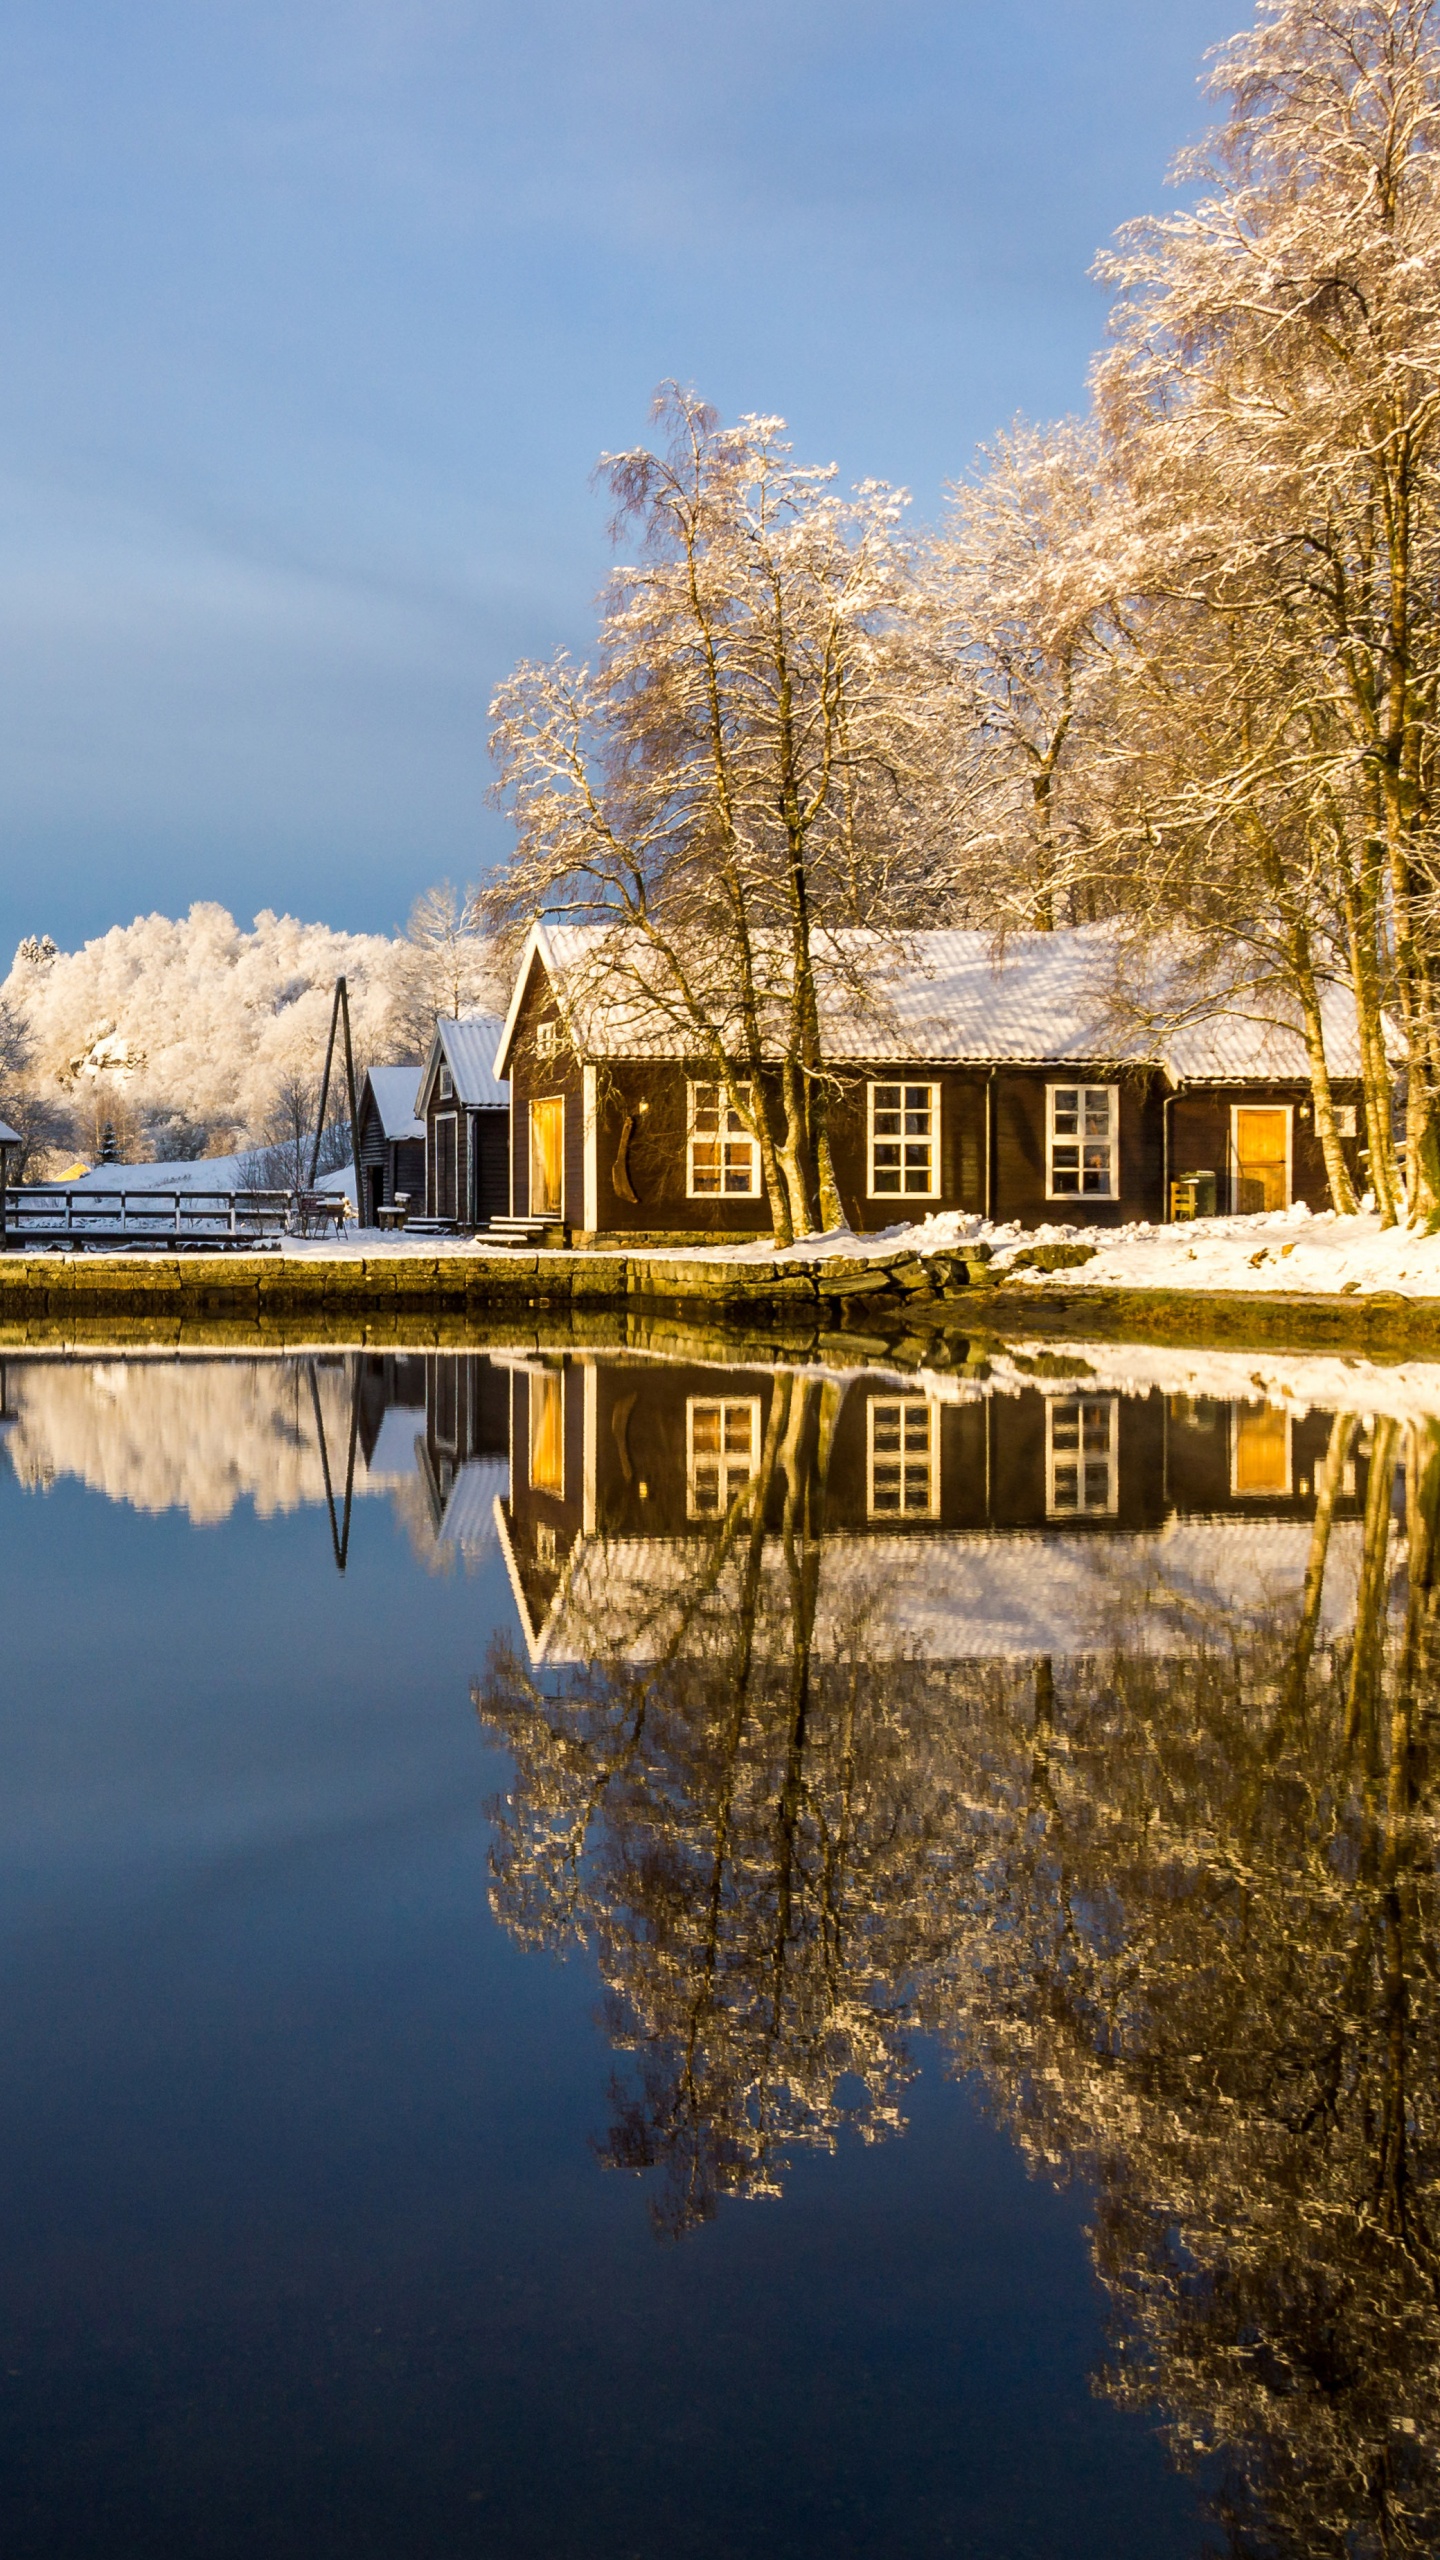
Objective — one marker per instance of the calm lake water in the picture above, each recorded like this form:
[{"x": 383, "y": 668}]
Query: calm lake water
[{"x": 606, "y": 1957}]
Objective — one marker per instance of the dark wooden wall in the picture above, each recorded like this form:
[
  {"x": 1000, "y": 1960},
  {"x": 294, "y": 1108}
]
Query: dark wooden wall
[
  {"x": 1173, "y": 1460},
  {"x": 489, "y": 1165},
  {"x": 1200, "y": 1138},
  {"x": 992, "y": 1142}
]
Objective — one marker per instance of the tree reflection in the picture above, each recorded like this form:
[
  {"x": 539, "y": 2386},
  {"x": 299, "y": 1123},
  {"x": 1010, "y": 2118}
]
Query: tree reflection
[
  {"x": 1172, "y": 1900},
  {"x": 749, "y": 1832}
]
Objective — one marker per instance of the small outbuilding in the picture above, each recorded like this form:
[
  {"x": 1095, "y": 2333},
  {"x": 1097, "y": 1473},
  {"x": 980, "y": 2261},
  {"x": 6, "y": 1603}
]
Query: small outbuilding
[
  {"x": 465, "y": 1111},
  {"x": 392, "y": 1141}
]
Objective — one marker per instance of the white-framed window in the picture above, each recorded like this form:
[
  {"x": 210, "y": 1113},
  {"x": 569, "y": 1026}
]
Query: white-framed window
[
  {"x": 723, "y": 1158},
  {"x": 1082, "y": 1457},
  {"x": 547, "y": 1038},
  {"x": 902, "y": 1458},
  {"x": 1082, "y": 1136},
  {"x": 722, "y": 1451},
  {"x": 1345, "y": 1120},
  {"x": 904, "y": 1141},
  {"x": 446, "y": 1085}
]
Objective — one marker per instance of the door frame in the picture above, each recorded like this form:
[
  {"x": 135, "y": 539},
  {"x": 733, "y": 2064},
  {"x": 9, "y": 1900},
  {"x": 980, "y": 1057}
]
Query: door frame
[
  {"x": 1235, "y": 1110},
  {"x": 547, "y": 1101}
]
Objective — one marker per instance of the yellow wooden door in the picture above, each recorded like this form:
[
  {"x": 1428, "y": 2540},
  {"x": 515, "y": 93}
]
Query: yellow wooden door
[
  {"x": 1262, "y": 1160},
  {"x": 547, "y": 1159},
  {"x": 1260, "y": 1450},
  {"x": 547, "y": 1432}
]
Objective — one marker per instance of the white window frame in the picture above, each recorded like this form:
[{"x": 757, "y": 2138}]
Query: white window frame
[
  {"x": 917, "y": 1465},
  {"x": 547, "y": 1037},
  {"x": 731, "y": 1477},
  {"x": 1235, "y": 1110},
  {"x": 445, "y": 1085},
  {"x": 902, "y": 1085},
  {"x": 1084, "y": 1093},
  {"x": 1281, "y": 1493},
  {"x": 1064, "y": 1456},
  {"x": 725, "y": 1138}
]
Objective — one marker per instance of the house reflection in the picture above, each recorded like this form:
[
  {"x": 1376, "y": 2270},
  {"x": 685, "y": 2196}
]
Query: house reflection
[
  {"x": 1092, "y": 1736},
  {"x": 621, "y": 1470},
  {"x": 444, "y": 1418}
]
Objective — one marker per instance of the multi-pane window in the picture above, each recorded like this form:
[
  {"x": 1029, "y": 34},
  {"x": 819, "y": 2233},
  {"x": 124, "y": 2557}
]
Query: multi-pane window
[
  {"x": 1084, "y": 1126},
  {"x": 1082, "y": 1456},
  {"x": 547, "y": 1038},
  {"x": 904, "y": 1135},
  {"x": 724, "y": 1158},
  {"x": 722, "y": 1451},
  {"x": 902, "y": 1458}
]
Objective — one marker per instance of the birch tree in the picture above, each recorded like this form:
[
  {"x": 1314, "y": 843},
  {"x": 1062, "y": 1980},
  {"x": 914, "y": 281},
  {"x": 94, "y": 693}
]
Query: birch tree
[
  {"x": 1274, "y": 389},
  {"x": 1020, "y": 589},
  {"x": 744, "y": 768}
]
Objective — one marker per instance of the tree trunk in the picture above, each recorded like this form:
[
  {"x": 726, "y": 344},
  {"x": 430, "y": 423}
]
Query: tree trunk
[
  {"x": 1342, "y": 1192},
  {"x": 1361, "y": 903}
]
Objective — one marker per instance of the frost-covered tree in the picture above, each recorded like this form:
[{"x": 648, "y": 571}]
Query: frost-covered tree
[
  {"x": 1274, "y": 397},
  {"x": 743, "y": 768},
  {"x": 1019, "y": 583},
  {"x": 196, "y": 1021},
  {"x": 447, "y": 965}
]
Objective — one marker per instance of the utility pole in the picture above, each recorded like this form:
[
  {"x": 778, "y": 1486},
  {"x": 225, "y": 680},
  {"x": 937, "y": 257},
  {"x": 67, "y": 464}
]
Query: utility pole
[{"x": 339, "y": 1015}]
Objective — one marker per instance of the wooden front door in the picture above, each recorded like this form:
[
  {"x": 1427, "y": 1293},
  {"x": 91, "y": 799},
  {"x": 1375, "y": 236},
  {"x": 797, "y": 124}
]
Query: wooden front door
[
  {"x": 1262, "y": 1160},
  {"x": 547, "y": 1159},
  {"x": 446, "y": 1158}
]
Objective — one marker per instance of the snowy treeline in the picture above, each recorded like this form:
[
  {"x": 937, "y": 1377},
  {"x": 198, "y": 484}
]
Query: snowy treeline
[
  {"x": 196, "y": 1037},
  {"x": 1177, "y": 661}
]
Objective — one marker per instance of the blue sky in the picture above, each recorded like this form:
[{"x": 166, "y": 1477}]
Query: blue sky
[{"x": 316, "y": 314}]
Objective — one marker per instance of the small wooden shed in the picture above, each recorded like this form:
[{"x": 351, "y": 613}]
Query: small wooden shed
[
  {"x": 465, "y": 1109},
  {"x": 392, "y": 1141}
]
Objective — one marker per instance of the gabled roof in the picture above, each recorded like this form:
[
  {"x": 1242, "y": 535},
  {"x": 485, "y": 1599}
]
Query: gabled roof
[
  {"x": 9, "y": 1137},
  {"x": 467, "y": 1045},
  {"x": 395, "y": 1089},
  {"x": 951, "y": 1597},
  {"x": 1071, "y": 998}
]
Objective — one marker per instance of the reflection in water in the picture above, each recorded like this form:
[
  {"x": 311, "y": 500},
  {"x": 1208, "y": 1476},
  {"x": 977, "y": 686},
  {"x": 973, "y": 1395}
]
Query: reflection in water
[
  {"x": 203, "y": 1434},
  {"x": 1092, "y": 1736}
]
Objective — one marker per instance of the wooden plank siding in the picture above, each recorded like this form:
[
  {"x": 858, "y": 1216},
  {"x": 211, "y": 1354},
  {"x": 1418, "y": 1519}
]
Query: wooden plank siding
[
  {"x": 627, "y": 1477},
  {"x": 1200, "y": 1126},
  {"x": 482, "y": 1163}
]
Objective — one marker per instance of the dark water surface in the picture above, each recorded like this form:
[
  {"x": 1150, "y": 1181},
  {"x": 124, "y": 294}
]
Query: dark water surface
[{"x": 988, "y": 2100}]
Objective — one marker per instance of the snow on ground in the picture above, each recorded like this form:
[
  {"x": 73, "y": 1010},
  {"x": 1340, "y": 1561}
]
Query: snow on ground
[
  {"x": 1287, "y": 1251},
  {"x": 1293, "y": 1251}
]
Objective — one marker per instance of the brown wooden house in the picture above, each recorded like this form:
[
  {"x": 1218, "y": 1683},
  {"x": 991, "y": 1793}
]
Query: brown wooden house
[
  {"x": 1004, "y": 1086},
  {"x": 465, "y": 1109},
  {"x": 977, "y": 1524}
]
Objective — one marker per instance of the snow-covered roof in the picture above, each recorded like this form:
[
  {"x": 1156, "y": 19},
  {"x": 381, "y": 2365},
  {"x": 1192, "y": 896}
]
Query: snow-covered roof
[
  {"x": 467, "y": 1045},
  {"x": 395, "y": 1090},
  {"x": 469, "y": 1521},
  {"x": 9, "y": 1137},
  {"x": 1044, "y": 999},
  {"x": 951, "y": 1597}
]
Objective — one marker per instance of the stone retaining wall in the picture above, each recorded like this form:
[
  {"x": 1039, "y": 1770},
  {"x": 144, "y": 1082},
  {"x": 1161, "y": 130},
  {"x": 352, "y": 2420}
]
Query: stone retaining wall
[{"x": 882, "y": 1303}]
